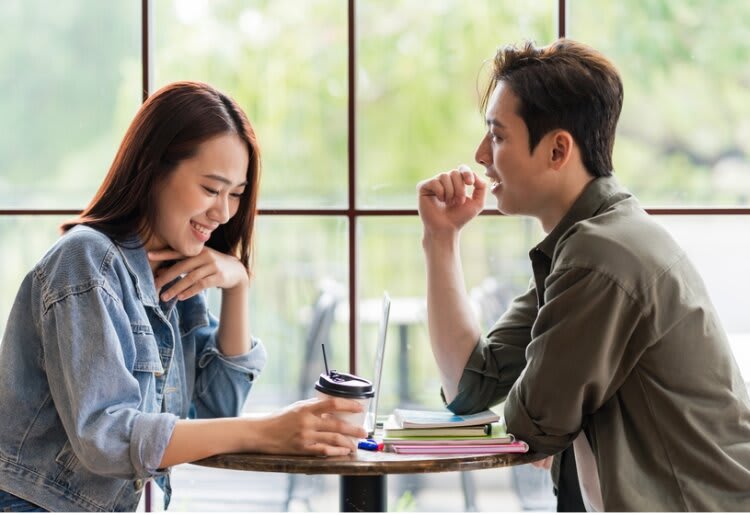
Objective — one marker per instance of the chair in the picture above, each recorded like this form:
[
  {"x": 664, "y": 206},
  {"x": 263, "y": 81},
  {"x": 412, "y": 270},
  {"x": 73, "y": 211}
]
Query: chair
[
  {"x": 469, "y": 490},
  {"x": 490, "y": 299},
  {"x": 534, "y": 488},
  {"x": 319, "y": 332}
]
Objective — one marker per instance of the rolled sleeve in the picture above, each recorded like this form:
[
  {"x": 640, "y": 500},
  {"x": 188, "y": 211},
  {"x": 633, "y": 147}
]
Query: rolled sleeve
[
  {"x": 250, "y": 363},
  {"x": 580, "y": 353},
  {"x": 148, "y": 442},
  {"x": 224, "y": 382},
  {"x": 497, "y": 359}
]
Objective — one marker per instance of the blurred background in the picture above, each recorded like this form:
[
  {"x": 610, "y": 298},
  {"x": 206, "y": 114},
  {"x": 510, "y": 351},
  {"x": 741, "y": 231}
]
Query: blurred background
[{"x": 71, "y": 74}]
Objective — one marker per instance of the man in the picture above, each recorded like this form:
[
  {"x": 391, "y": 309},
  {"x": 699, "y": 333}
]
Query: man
[{"x": 616, "y": 349}]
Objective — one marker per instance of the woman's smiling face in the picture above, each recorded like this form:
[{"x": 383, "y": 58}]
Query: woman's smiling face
[{"x": 200, "y": 194}]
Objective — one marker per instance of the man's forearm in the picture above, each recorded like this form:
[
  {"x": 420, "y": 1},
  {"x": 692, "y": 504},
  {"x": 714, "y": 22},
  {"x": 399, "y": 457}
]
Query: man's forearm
[{"x": 453, "y": 327}]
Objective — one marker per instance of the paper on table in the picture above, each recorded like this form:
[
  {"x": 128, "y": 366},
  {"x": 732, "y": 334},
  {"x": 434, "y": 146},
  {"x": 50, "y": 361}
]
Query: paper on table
[{"x": 515, "y": 447}]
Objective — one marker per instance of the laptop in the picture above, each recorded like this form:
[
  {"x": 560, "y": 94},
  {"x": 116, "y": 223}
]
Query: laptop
[{"x": 372, "y": 412}]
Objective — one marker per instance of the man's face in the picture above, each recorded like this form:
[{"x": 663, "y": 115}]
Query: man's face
[
  {"x": 517, "y": 175},
  {"x": 200, "y": 194}
]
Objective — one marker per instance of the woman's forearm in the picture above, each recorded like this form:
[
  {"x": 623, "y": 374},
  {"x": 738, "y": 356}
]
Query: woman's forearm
[
  {"x": 306, "y": 427},
  {"x": 193, "y": 440},
  {"x": 234, "y": 325}
]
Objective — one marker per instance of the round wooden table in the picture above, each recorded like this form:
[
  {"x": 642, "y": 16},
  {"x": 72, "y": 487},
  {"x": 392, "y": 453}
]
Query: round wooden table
[{"x": 362, "y": 475}]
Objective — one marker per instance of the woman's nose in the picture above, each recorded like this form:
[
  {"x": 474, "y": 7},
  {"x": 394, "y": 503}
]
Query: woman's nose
[{"x": 219, "y": 212}]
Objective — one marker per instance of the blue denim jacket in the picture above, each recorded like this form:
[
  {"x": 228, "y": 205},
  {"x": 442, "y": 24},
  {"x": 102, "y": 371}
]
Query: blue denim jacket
[{"x": 96, "y": 371}]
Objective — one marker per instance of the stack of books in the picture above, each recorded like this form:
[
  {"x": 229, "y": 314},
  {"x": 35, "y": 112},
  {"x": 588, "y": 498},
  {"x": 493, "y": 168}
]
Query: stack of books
[{"x": 442, "y": 432}]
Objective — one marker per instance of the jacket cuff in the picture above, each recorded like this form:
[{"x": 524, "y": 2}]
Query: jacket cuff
[
  {"x": 250, "y": 363},
  {"x": 149, "y": 440}
]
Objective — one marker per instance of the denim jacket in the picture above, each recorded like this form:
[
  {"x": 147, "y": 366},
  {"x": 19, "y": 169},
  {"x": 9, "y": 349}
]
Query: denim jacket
[{"x": 96, "y": 371}]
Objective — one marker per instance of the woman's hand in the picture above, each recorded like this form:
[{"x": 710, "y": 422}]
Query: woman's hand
[
  {"x": 304, "y": 428},
  {"x": 308, "y": 428},
  {"x": 206, "y": 270}
]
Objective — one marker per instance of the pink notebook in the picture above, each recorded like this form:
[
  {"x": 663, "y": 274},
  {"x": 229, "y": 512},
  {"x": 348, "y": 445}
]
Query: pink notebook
[{"x": 515, "y": 447}]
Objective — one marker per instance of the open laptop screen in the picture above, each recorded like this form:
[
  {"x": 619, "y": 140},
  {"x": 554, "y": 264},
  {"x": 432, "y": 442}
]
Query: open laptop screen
[{"x": 372, "y": 412}]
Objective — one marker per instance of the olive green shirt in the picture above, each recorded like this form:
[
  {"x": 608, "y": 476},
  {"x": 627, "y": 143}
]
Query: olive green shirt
[{"x": 617, "y": 336}]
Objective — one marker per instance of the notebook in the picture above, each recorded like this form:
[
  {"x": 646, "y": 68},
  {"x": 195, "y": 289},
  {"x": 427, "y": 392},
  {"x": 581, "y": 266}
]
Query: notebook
[
  {"x": 377, "y": 373},
  {"x": 514, "y": 447}
]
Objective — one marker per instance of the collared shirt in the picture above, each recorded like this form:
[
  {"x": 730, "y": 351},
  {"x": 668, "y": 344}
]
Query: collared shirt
[
  {"x": 617, "y": 337},
  {"x": 96, "y": 371}
]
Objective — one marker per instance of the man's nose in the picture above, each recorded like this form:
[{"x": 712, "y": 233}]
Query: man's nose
[{"x": 482, "y": 155}]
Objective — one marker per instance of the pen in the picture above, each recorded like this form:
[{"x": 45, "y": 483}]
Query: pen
[{"x": 370, "y": 445}]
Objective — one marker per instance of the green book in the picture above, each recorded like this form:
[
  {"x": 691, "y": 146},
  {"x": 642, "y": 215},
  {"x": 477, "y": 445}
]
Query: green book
[
  {"x": 392, "y": 429},
  {"x": 497, "y": 435}
]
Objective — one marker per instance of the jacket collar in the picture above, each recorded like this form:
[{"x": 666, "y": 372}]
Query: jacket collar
[
  {"x": 596, "y": 196},
  {"x": 136, "y": 261}
]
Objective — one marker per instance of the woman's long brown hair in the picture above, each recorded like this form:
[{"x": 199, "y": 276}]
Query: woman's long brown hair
[{"x": 167, "y": 129}]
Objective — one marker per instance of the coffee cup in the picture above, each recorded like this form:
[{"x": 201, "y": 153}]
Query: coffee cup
[{"x": 347, "y": 386}]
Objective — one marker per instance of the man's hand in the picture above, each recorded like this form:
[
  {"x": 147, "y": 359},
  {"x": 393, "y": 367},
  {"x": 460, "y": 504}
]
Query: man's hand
[
  {"x": 546, "y": 463},
  {"x": 206, "y": 270},
  {"x": 444, "y": 204}
]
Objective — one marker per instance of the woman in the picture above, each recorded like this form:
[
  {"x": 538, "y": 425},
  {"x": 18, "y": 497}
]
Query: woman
[{"x": 109, "y": 347}]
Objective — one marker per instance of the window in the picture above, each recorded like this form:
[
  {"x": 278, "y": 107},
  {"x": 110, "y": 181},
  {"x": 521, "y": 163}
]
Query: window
[
  {"x": 354, "y": 102},
  {"x": 682, "y": 137},
  {"x": 70, "y": 87}
]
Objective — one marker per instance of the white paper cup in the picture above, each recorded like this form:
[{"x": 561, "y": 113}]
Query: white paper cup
[
  {"x": 355, "y": 419},
  {"x": 346, "y": 386}
]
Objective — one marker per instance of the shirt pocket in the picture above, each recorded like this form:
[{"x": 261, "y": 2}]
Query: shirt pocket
[
  {"x": 67, "y": 462},
  {"x": 147, "y": 368}
]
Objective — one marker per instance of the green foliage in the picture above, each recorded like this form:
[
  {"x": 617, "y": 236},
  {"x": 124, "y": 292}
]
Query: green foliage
[
  {"x": 285, "y": 63},
  {"x": 686, "y": 88},
  {"x": 61, "y": 69},
  {"x": 419, "y": 66},
  {"x": 71, "y": 76},
  {"x": 406, "y": 502}
]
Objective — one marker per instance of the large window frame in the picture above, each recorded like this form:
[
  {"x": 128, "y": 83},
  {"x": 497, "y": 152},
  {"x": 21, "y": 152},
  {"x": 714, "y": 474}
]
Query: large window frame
[{"x": 351, "y": 212}]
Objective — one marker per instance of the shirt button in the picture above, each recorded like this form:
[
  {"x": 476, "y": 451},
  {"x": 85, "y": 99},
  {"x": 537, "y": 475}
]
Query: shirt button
[{"x": 138, "y": 483}]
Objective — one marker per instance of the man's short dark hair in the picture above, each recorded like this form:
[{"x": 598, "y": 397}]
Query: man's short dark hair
[{"x": 566, "y": 85}]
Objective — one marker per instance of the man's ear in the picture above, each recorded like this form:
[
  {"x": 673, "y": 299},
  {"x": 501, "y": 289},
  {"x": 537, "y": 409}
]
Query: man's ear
[{"x": 562, "y": 147}]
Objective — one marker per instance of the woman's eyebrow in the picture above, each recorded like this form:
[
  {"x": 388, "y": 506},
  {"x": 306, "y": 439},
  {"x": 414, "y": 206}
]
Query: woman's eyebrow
[{"x": 222, "y": 179}]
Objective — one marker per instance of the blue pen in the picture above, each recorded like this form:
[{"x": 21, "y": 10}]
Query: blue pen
[{"x": 368, "y": 445}]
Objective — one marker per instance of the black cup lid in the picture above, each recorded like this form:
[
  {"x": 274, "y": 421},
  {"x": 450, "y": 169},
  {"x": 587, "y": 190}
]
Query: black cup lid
[{"x": 341, "y": 384}]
